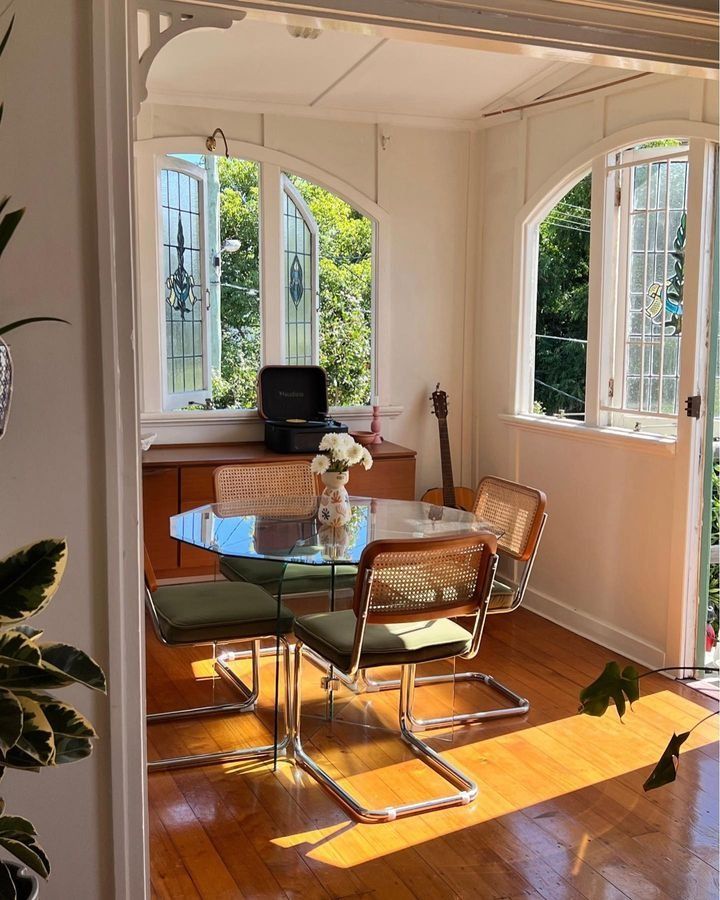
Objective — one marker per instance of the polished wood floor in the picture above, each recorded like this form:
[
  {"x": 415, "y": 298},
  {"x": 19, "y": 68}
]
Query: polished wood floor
[{"x": 561, "y": 812}]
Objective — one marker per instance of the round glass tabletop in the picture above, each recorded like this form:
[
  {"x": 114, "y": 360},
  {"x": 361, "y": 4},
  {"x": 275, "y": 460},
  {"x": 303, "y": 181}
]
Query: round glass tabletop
[{"x": 286, "y": 529}]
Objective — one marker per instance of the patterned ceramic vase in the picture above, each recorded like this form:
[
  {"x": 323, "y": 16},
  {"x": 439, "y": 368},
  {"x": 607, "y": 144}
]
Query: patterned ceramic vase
[
  {"x": 6, "y": 373},
  {"x": 334, "y": 509},
  {"x": 334, "y": 541}
]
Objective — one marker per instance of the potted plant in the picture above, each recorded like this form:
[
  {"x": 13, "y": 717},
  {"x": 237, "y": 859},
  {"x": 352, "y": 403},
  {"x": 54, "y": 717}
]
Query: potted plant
[{"x": 37, "y": 729}]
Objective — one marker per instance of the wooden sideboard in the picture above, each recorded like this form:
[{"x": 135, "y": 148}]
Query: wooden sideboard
[{"x": 180, "y": 477}]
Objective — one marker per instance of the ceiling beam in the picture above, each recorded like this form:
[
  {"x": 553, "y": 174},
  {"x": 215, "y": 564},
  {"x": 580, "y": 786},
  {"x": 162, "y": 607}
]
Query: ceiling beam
[{"x": 665, "y": 36}]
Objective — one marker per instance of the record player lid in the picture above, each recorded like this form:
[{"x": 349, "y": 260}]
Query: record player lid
[{"x": 287, "y": 393}]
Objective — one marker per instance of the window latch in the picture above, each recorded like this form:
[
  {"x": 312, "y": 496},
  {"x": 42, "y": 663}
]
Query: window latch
[{"x": 692, "y": 407}]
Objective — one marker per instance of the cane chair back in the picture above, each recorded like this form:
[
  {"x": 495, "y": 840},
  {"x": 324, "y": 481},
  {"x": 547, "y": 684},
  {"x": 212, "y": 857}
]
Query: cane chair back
[
  {"x": 514, "y": 509},
  {"x": 420, "y": 580},
  {"x": 253, "y": 482}
]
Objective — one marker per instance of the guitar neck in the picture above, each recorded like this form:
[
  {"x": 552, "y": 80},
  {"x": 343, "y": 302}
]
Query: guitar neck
[{"x": 448, "y": 485}]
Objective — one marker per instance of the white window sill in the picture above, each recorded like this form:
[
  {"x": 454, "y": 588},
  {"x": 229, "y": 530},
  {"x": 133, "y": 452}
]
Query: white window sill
[
  {"x": 248, "y": 418},
  {"x": 616, "y": 437}
]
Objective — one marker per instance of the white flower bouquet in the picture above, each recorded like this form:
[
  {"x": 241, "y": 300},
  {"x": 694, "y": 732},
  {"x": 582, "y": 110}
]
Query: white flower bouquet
[{"x": 338, "y": 452}]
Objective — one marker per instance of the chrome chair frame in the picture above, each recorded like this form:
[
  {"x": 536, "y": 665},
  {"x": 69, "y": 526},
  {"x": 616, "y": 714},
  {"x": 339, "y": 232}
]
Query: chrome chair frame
[
  {"x": 248, "y": 704},
  {"x": 520, "y": 705},
  {"x": 467, "y": 789}
]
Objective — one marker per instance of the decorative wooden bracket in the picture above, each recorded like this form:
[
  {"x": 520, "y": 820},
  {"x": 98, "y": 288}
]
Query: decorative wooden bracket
[{"x": 158, "y": 22}]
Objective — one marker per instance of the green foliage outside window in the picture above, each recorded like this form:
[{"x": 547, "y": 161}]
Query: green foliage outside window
[
  {"x": 345, "y": 277},
  {"x": 562, "y": 305},
  {"x": 345, "y": 284}
]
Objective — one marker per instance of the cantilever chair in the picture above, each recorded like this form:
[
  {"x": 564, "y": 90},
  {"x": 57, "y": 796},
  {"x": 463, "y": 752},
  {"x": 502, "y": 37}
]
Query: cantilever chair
[
  {"x": 217, "y": 613},
  {"x": 519, "y": 513},
  {"x": 406, "y": 595},
  {"x": 258, "y": 483}
]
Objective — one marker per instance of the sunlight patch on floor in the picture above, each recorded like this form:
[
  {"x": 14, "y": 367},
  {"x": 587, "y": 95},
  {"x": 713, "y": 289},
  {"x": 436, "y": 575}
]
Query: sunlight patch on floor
[{"x": 514, "y": 771}]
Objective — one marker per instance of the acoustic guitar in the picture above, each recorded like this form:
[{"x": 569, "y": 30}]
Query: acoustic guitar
[{"x": 448, "y": 495}]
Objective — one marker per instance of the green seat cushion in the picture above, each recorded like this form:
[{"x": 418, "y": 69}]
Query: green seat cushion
[
  {"x": 501, "y": 596},
  {"x": 298, "y": 579},
  {"x": 217, "y": 611},
  {"x": 332, "y": 635}
]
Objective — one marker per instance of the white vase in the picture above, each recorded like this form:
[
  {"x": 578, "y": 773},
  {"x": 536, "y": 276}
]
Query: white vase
[{"x": 334, "y": 508}]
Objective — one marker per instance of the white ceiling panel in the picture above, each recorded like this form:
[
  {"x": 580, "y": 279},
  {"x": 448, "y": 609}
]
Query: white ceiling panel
[
  {"x": 259, "y": 62},
  {"x": 425, "y": 79},
  {"x": 256, "y": 61}
]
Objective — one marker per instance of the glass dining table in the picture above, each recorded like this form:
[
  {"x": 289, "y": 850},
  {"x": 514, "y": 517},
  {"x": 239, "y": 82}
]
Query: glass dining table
[{"x": 286, "y": 530}]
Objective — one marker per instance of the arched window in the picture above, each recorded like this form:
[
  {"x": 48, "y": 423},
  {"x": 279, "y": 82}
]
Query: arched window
[
  {"x": 608, "y": 325},
  {"x": 217, "y": 321}
]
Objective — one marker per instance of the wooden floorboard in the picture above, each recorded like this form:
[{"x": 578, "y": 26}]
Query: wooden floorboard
[{"x": 561, "y": 812}]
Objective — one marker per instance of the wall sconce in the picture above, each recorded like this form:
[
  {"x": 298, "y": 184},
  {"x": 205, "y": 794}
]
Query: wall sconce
[{"x": 211, "y": 143}]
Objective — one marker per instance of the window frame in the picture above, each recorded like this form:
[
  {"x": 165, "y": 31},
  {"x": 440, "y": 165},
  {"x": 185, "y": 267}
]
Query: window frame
[
  {"x": 602, "y": 295},
  {"x": 180, "y": 399},
  {"x": 287, "y": 187},
  {"x": 221, "y": 424}
]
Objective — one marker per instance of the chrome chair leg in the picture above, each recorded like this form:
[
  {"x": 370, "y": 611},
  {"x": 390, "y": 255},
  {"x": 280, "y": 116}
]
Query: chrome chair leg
[
  {"x": 242, "y": 754},
  {"x": 521, "y": 705},
  {"x": 468, "y": 789}
]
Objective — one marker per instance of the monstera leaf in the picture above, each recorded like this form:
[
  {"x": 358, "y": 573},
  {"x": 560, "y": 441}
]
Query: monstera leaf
[
  {"x": 29, "y": 578},
  {"x": 665, "y": 771},
  {"x": 612, "y": 684}
]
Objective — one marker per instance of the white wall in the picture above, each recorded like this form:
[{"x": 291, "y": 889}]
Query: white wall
[
  {"x": 604, "y": 565},
  {"x": 420, "y": 180},
  {"x": 51, "y": 459}
]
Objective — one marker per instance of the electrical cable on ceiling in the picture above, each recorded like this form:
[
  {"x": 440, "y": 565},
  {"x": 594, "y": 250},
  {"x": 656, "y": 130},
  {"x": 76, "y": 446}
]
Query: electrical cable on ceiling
[{"x": 588, "y": 90}]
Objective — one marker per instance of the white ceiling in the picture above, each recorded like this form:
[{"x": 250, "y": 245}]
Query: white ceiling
[{"x": 257, "y": 64}]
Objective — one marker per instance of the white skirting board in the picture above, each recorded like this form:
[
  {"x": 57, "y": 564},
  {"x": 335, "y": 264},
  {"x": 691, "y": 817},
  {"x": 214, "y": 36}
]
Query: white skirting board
[{"x": 587, "y": 626}]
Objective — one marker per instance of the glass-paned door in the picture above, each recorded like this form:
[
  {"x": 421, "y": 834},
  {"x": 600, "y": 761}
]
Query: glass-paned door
[
  {"x": 183, "y": 284},
  {"x": 300, "y": 273}
]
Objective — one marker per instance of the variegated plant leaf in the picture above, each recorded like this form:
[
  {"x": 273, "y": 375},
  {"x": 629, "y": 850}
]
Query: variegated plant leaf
[
  {"x": 29, "y": 631},
  {"x": 17, "y": 649},
  {"x": 36, "y": 740},
  {"x": 11, "y": 720},
  {"x": 29, "y": 578},
  {"x": 28, "y": 852},
  {"x": 64, "y": 719},
  {"x": 75, "y": 665},
  {"x": 69, "y": 750}
]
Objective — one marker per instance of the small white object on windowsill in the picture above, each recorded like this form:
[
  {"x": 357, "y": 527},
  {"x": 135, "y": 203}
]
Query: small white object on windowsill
[{"x": 147, "y": 440}]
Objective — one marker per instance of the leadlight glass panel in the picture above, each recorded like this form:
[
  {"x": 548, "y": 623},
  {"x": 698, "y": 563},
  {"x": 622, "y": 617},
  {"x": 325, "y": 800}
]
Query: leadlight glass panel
[
  {"x": 180, "y": 197},
  {"x": 299, "y": 294},
  {"x": 654, "y": 280}
]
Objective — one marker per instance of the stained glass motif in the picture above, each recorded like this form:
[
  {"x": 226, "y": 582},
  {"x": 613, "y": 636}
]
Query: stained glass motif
[
  {"x": 296, "y": 281},
  {"x": 180, "y": 284},
  {"x": 182, "y": 281},
  {"x": 654, "y": 285},
  {"x": 299, "y": 294}
]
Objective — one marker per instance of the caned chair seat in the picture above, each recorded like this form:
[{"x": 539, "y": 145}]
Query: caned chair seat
[
  {"x": 332, "y": 635},
  {"x": 217, "y": 611},
  {"x": 502, "y": 596},
  {"x": 298, "y": 579}
]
